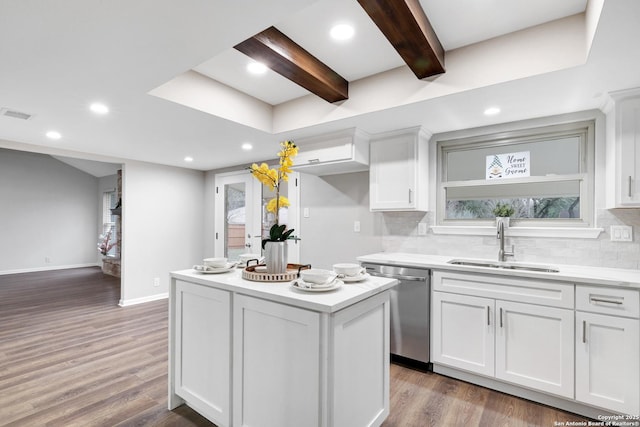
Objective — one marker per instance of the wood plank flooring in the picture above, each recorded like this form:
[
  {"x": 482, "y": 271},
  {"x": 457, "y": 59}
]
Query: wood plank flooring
[{"x": 69, "y": 356}]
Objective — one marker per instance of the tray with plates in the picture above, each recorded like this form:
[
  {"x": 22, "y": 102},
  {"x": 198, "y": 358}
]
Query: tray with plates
[
  {"x": 300, "y": 285},
  {"x": 205, "y": 269},
  {"x": 258, "y": 273}
]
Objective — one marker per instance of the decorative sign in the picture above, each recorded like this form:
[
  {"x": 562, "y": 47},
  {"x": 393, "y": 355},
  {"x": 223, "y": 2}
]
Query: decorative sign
[{"x": 510, "y": 165}]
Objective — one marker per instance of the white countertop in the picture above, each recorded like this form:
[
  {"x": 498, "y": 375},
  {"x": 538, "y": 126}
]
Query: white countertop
[
  {"x": 618, "y": 277},
  {"x": 282, "y": 292}
]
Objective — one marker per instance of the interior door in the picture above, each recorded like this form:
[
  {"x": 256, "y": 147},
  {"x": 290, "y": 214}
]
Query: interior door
[{"x": 237, "y": 215}]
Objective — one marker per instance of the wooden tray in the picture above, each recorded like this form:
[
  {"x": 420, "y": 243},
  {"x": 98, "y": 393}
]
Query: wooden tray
[{"x": 292, "y": 273}]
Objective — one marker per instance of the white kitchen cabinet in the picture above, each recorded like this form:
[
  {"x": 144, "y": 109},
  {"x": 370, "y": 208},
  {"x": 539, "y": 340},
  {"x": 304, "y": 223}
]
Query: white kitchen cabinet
[
  {"x": 608, "y": 349},
  {"x": 623, "y": 142},
  {"x": 202, "y": 365},
  {"x": 398, "y": 175},
  {"x": 245, "y": 353},
  {"x": 463, "y": 333},
  {"x": 491, "y": 325},
  {"x": 277, "y": 348},
  {"x": 534, "y": 347},
  {"x": 333, "y": 153}
]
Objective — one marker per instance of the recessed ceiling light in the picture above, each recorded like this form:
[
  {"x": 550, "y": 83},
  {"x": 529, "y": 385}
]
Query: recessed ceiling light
[
  {"x": 52, "y": 134},
  {"x": 246, "y": 146},
  {"x": 491, "y": 111},
  {"x": 99, "y": 108},
  {"x": 342, "y": 32},
  {"x": 188, "y": 159},
  {"x": 256, "y": 67}
]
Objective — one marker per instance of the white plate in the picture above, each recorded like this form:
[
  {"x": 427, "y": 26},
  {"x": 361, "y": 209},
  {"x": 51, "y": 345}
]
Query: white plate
[
  {"x": 359, "y": 278},
  {"x": 212, "y": 270},
  {"x": 336, "y": 284}
]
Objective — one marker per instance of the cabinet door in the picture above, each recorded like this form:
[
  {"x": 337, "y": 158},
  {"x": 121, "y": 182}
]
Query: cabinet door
[
  {"x": 463, "y": 332},
  {"x": 393, "y": 173},
  {"x": 534, "y": 347},
  {"x": 275, "y": 365},
  {"x": 203, "y": 350},
  {"x": 607, "y": 367},
  {"x": 628, "y": 129}
]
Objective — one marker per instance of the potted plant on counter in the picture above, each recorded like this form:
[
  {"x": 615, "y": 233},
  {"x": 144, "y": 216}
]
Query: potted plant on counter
[
  {"x": 503, "y": 212},
  {"x": 275, "y": 245}
]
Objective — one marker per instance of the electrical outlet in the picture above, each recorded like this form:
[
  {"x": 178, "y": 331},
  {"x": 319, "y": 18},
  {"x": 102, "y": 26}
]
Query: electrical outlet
[
  {"x": 305, "y": 212},
  {"x": 356, "y": 226},
  {"x": 47, "y": 259},
  {"x": 156, "y": 281},
  {"x": 621, "y": 233}
]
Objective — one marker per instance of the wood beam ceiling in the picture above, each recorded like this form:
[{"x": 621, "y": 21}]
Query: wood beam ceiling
[
  {"x": 287, "y": 58},
  {"x": 405, "y": 25}
]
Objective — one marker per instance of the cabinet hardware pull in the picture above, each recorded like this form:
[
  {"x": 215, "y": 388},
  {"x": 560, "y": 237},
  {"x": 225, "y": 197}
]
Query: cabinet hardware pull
[
  {"x": 609, "y": 301},
  {"x": 488, "y": 315},
  {"x": 314, "y": 160},
  {"x": 410, "y": 196},
  {"x": 584, "y": 331},
  {"x": 501, "y": 317},
  {"x": 629, "y": 186}
]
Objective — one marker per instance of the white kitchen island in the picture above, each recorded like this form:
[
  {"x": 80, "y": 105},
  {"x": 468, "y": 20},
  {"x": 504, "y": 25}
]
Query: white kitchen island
[{"x": 245, "y": 353}]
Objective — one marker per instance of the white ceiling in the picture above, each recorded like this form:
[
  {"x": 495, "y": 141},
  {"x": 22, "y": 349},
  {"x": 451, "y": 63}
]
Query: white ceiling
[{"x": 58, "y": 57}]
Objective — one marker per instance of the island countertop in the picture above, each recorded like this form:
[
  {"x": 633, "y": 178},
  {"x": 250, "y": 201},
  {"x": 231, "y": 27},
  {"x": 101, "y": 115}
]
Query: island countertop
[{"x": 282, "y": 292}]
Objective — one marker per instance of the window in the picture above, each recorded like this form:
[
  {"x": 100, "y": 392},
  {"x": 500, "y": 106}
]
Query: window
[{"x": 545, "y": 174}]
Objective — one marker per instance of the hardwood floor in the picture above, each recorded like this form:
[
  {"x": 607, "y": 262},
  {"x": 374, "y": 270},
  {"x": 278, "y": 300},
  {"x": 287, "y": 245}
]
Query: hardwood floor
[{"x": 69, "y": 356}]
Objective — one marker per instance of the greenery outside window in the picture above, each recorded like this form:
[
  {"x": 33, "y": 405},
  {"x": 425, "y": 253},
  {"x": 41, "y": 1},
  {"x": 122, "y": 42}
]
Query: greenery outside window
[{"x": 555, "y": 188}]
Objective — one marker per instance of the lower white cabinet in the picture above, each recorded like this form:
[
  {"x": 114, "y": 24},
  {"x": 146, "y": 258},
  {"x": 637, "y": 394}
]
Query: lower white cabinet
[
  {"x": 202, "y": 360},
  {"x": 608, "y": 349},
  {"x": 277, "y": 348},
  {"x": 534, "y": 347},
  {"x": 524, "y": 344},
  {"x": 463, "y": 333},
  {"x": 517, "y": 340}
]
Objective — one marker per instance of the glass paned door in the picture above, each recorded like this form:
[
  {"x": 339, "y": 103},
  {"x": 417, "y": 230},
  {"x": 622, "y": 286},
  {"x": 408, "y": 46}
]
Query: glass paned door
[
  {"x": 237, "y": 215},
  {"x": 241, "y": 217}
]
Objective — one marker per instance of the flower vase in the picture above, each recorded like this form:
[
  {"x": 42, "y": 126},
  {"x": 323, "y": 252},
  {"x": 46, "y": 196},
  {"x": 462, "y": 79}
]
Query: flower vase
[{"x": 275, "y": 254}]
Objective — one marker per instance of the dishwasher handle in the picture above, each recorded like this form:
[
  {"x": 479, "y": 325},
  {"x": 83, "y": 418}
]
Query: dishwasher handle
[{"x": 398, "y": 276}]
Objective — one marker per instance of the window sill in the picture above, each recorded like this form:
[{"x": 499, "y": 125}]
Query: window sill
[{"x": 575, "y": 233}]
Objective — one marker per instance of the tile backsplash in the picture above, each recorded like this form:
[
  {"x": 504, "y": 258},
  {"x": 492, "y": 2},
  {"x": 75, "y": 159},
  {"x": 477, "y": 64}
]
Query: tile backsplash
[{"x": 400, "y": 234}]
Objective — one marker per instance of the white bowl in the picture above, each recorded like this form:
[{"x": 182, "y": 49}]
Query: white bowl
[
  {"x": 220, "y": 262},
  {"x": 348, "y": 269},
  {"x": 316, "y": 275}
]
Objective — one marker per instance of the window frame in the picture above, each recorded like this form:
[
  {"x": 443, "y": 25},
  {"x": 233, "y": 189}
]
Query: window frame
[{"x": 455, "y": 141}]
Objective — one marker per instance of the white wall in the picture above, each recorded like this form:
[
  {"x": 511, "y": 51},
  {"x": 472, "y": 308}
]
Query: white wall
[
  {"x": 335, "y": 202},
  {"x": 163, "y": 220},
  {"x": 48, "y": 213}
]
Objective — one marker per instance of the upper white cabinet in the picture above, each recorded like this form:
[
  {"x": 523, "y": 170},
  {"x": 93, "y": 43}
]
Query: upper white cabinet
[
  {"x": 398, "y": 171},
  {"x": 333, "y": 153},
  {"x": 623, "y": 149}
]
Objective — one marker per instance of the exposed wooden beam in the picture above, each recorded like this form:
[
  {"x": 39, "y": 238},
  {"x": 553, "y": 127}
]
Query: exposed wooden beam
[
  {"x": 405, "y": 25},
  {"x": 287, "y": 58}
]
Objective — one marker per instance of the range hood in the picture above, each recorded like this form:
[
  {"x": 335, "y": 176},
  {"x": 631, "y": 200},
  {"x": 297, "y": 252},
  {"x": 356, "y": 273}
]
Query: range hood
[{"x": 333, "y": 153}]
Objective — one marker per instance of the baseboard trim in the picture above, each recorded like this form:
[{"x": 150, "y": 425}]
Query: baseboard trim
[
  {"x": 134, "y": 301},
  {"x": 49, "y": 268}
]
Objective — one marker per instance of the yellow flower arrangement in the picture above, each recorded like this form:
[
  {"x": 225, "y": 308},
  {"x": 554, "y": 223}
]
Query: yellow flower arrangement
[{"x": 272, "y": 178}]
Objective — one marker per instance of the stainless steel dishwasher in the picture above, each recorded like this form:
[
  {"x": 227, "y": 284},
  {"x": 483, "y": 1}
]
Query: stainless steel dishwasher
[{"x": 410, "y": 302}]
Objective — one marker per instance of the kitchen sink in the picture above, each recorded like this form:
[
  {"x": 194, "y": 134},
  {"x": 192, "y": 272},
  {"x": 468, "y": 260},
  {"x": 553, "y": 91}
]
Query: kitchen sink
[{"x": 504, "y": 265}]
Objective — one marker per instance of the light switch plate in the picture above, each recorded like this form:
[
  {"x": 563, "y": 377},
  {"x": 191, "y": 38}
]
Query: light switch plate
[
  {"x": 422, "y": 229},
  {"x": 621, "y": 233}
]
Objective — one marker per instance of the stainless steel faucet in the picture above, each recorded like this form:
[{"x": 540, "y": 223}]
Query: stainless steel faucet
[{"x": 502, "y": 255}]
